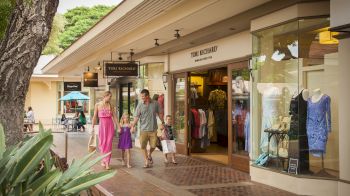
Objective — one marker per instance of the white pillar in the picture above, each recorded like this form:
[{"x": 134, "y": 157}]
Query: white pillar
[{"x": 344, "y": 120}]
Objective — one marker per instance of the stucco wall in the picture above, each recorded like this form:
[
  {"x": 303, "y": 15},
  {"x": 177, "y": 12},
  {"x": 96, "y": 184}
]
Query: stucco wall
[{"x": 42, "y": 96}]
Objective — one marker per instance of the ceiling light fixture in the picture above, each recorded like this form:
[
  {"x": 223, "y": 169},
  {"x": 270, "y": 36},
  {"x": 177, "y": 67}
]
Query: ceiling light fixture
[
  {"x": 156, "y": 43},
  {"x": 131, "y": 54},
  {"x": 120, "y": 57},
  {"x": 177, "y": 34}
]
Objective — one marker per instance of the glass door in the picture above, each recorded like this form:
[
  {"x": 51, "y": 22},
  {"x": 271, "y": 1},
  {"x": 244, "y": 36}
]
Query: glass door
[
  {"x": 127, "y": 99},
  {"x": 239, "y": 115},
  {"x": 180, "y": 112}
]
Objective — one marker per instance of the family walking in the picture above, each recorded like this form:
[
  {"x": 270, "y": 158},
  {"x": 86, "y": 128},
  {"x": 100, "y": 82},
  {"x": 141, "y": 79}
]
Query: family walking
[{"x": 146, "y": 114}]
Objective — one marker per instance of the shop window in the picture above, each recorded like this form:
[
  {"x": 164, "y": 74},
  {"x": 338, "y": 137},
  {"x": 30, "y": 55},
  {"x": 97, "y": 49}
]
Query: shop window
[
  {"x": 76, "y": 105},
  {"x": 295, "y": 99}
]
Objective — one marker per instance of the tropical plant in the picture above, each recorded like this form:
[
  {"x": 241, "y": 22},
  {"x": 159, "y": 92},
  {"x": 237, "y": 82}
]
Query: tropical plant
[{"x": 28, "y": 169}]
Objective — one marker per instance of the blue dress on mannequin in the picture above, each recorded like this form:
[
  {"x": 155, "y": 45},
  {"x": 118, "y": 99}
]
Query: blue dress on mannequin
[{"x": 318, "y": 124}]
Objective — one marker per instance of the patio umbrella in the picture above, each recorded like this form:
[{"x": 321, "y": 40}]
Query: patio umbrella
[{"x": 74, "y": 95}]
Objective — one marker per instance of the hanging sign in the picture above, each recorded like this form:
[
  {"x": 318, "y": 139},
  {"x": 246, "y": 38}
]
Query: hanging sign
[
  {"x": 90, "y": 79},
  {"x": 72, "y": 86},
  {"x": 121, "y": 69}
]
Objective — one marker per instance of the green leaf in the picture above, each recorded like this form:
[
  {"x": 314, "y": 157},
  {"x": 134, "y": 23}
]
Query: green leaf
[
  {"x": 40, "y": 184},
  {"x": 31, "y": 159},
  {"x": 52, "y": 186},
  {"x": 2, "y": 141},
  {"x": 31, "y": 142},
  {"x": 84, "y": 182},
  {"x": 7, "y": 171},
  {"x": 78, "y": 167}
]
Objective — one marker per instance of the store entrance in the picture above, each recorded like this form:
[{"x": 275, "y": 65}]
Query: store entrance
[
  {"x": 208, "y": 123},
  {"x": 127, "y": 99}
]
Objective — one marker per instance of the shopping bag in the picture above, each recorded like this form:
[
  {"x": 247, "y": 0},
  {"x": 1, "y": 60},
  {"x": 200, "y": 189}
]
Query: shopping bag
[
  {"x": 168, "y": 146},
  {"x": 92, "y": 142},
  {"x": 159, "y": 144}
]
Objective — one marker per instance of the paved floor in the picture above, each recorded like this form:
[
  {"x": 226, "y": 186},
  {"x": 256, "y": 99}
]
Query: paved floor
[{"x": 189, "y": 177}]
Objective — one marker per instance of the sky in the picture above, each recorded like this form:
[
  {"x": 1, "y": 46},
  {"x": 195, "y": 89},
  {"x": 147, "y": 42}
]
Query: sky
[{"x": 65, "y": 5}]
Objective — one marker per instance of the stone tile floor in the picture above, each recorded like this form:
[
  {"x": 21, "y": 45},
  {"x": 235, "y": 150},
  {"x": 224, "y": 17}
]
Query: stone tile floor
[{"x": 189, "y": 177}]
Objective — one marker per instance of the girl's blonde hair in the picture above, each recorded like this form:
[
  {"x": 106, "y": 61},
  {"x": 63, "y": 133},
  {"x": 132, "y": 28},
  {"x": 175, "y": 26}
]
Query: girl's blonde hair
[{"x": 122, "y": 118}]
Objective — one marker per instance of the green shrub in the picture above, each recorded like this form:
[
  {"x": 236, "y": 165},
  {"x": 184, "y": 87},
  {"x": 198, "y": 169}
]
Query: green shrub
[{"x": 28, "y": 169}]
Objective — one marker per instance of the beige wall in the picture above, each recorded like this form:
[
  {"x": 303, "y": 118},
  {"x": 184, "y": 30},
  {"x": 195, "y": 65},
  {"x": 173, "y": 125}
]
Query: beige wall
[
  {"x": 42, "y": 96},
  {"x": 340, "y": 12},
  {"x": 344, "y": 108},
  {"x": 228, "y": 48},
  {"x": 292, "y": 12}
]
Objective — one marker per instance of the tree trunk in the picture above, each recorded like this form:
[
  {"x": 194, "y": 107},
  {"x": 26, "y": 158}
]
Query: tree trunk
[{"x": 26, "y": 36}]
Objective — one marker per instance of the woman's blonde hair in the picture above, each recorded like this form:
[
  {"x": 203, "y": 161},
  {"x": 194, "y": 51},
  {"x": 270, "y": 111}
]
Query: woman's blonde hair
[
  {"x": 124, "y": 115},
  {"x": 107, "y": 93}
]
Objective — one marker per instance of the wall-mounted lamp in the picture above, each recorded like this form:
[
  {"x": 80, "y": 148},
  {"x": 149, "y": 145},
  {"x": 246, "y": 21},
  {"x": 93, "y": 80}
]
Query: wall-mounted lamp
[
  {"x": 165, "y": 77},
  {"x": 156, "y": 43},
  {"x": 98, "y": 67},
  {"x": 177, "y": 34}
]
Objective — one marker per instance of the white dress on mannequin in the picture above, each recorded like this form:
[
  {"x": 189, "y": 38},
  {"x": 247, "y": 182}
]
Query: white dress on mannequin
[{"x": 270, "y": 112}]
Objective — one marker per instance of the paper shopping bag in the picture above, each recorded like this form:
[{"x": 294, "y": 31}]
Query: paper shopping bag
[
  {"x": 168, "y": 146},
  {"x": 92, "y": 142}
]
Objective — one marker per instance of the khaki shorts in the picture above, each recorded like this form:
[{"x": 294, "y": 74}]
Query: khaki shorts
[{"x": 146, "y": 136}]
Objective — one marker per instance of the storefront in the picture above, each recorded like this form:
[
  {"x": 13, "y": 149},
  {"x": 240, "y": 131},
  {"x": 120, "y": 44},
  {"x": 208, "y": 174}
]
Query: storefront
[
  {"x": 73, "y": 106},
  {"x": 211, "y": 100},
  {"x": 295, "y": 98}
]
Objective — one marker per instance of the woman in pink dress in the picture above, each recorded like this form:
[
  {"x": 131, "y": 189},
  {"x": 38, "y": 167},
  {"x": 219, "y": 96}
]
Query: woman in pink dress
[{"x": 107, "y": 122}]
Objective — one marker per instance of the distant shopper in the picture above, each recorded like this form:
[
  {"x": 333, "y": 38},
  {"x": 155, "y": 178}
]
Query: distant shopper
[
  {"x": 76, "y": 120},
  {"x": 82, "y": 121},
  {"x": 125, "y": 142},
  {"x": 30, "y": 117},
  {"x": 107, "y": 122},
  {"x": 64, "y": 120},
  {"x": 147, "y": 111},
  {"x": 168, "y": 140}
]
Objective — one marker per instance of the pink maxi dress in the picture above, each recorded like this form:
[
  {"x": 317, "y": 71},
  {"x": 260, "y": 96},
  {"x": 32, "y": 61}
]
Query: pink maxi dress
[{"x": 106, "y": 133}]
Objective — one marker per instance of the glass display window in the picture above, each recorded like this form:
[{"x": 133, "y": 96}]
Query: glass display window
[{"x": 295, "y": 98}]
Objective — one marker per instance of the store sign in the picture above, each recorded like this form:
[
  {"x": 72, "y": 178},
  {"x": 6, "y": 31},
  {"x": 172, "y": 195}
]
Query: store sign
[
  {"x": 90, "y": 79},
  {"x": 204, "y": 54},
  {"x": 293, "y": 166},
  {"x": 72, "y": 86},
  {"x": 121, "y": 69}
]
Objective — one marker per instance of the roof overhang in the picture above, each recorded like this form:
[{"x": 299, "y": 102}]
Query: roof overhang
[{"x": 135, "y": 25}]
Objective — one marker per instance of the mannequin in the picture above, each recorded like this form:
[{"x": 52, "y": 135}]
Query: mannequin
[
  {"x": 319, "y": 125},
  {"x": 317, "y": 95},
  {"x": 305, "y": 93},
  {"x": 239, "y": 86},
  {"x": 298, "y": 141}
]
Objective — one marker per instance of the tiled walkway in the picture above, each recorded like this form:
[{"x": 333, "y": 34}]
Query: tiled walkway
[{"x": 189, "y": 177}]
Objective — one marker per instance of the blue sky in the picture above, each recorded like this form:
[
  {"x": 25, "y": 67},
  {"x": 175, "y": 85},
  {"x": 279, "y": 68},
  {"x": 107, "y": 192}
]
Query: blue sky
[{"x": 65, "y": 5}]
